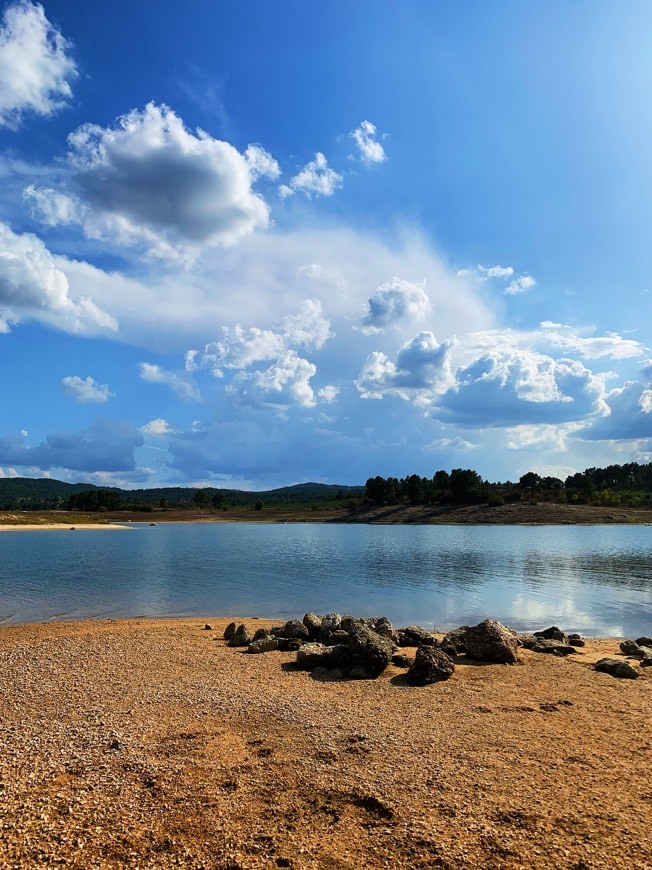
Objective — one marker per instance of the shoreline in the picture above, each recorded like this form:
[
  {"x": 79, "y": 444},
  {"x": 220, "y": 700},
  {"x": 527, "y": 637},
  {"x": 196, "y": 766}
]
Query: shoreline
[
  {"x": 520, "y": 514},
  {"x": 52, "y": 527},
  {"x": 86, "y": 624},
  {"x": 150, "y": 742}
]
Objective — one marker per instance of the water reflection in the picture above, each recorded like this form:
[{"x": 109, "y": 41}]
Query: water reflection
[{"x": 595, "y": 580}]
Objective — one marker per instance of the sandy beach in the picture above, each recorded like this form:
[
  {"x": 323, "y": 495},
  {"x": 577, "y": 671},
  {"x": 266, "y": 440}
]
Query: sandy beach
[
  {"x": 64, "y": 527},
  {"x": 150, "y": 743}
]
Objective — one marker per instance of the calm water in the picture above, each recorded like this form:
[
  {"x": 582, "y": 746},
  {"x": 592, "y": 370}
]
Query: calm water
[{"x": 592, "y": 579}]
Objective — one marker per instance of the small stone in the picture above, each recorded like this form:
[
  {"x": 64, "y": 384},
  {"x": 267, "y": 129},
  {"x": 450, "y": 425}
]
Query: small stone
[
  {"x": 207, "y": 627},
  {"x": 616, "y": 668},
  {"x": 644, "y": 641},
  {"x": 401, "y": 660},
  {"x": 229, "y": 631},
  {"x": 430, "y": 665},
  {"x": 576, "y": 640},
  {"x": 263, "y": 645}
]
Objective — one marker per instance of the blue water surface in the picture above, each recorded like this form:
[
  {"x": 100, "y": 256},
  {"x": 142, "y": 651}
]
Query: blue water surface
[{"x": 593, "y": 579}]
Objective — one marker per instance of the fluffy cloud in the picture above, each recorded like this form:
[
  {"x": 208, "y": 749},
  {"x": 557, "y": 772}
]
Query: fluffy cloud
[
  {"x": 106, "y": 445},
  {"x": 393, "y": 303},
  {"x": 542, "y": 437},
  {"x": 328, "y": 394},
  {"x": 33, "y": 286},
  {"x": 508, "y": 388},
  {"x": 284, "y": 384},
  {"x": 628, "y": 415},
  {"x": 239, "y": 347},
  {"x": 261, "y": 163},
  {"x": 157, "y": 428},
  {"x": 36, "y": 69},
  {"x": 521, "y": 284},
  {"x": 369, "y": 148},
  {"x": 422, "y": 371},
  {"x": 85, "y": 390},
  {"x": 148, "y": 180},
  {"x": 180, "y": 385},
  {"x": 315, "y": 177}
]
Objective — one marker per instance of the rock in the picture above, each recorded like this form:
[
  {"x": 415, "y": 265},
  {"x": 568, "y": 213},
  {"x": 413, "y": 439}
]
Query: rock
[
  {"x": 241, "y": 637},
  {"x": 616, "y": 668},
  {"x": 647, "y": 652},
  {"x": 554, "y": 647},
  {"x": 491, "y": 641},
  {"x": 644, "y": 641},
  {"x": 260, "y": 633},
  {"x": 380, "y": 624},
  {"x": 331, "y": 623},
  {"x": 229, "y": 631},
  {"x": 576, "y": 640},
  {"x": 646, "y": 663},
  {"x": 401, "y": 660},
  {"x": 312, "y": 622},
  {"x": 552, "y": 633},
  {"x": 263, "y": 644},
  {"x": 414, "y": 635},
  {"x": 456, "y": 638},
  {"x": 289, "y": 644},
  {"x": 294, "y": 628},
  {"x": 430, "y": 665},
  {"x": 347, "y": 623},
  {"x": 370, "y": 650},
  {"x": 207, "y": 627},
  {"x": 528, "y": 641},
  {"x": 339, "y": 637},
  {"x": 630, "y": 648},
  {"x": 449, "y": 650},
  {"x": 313, "y": 655}
]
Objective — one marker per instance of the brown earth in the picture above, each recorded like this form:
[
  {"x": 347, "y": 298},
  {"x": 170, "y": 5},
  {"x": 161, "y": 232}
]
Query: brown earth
[
  {"x": 523, "y": 513},
  {"x": 149, "y": 743}
]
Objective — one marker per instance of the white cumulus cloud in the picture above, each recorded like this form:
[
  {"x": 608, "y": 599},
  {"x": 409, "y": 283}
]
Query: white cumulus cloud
[
  {"x": 283, "y": 384},
  {"x": 34, "y": 287},
  {"x": 157, "y": 428},
  {"x": 421, "y": 372},
  {"x": 394, "y": 303},
  {"x": 315, "y": 177},
  {"x": 369, "y": 148},
  {"x": 147, "y": 180},
  {"x": 85, "y": 390},
  {"x": 520, "y": 284},
  {"x": 36, "y": 69}
]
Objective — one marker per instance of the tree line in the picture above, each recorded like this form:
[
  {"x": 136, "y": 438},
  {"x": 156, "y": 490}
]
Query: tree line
[{"x": 629, "y": 484}]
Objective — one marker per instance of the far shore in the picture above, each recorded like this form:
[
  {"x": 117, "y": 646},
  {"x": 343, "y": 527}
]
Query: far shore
[{"x": 522, "y": 513}]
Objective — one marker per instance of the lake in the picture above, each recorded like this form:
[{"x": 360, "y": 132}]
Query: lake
[{"x": 593, "y": 579}]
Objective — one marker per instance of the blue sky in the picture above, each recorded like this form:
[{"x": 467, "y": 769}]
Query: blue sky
[{"x": 257, "y": 244}]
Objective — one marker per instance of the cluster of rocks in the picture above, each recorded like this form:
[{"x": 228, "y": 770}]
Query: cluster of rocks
[
  {"x": 640, "y": 649},
  {"x": 362, "y": 647}
]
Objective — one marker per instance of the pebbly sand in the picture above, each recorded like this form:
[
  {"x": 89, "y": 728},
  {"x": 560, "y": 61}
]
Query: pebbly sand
[{"x": 149, "y": 743}]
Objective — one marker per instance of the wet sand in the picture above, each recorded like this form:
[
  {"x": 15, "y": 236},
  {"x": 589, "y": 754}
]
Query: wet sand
[{"x": 149, "y": 743}]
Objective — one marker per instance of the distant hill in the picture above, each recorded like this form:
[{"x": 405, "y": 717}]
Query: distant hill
[{"x": 25, "y": 493}]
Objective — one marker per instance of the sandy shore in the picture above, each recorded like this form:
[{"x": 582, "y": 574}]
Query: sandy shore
[
  {"x": 49, "y": 527},
  {"x": 149, "y": 743}
]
